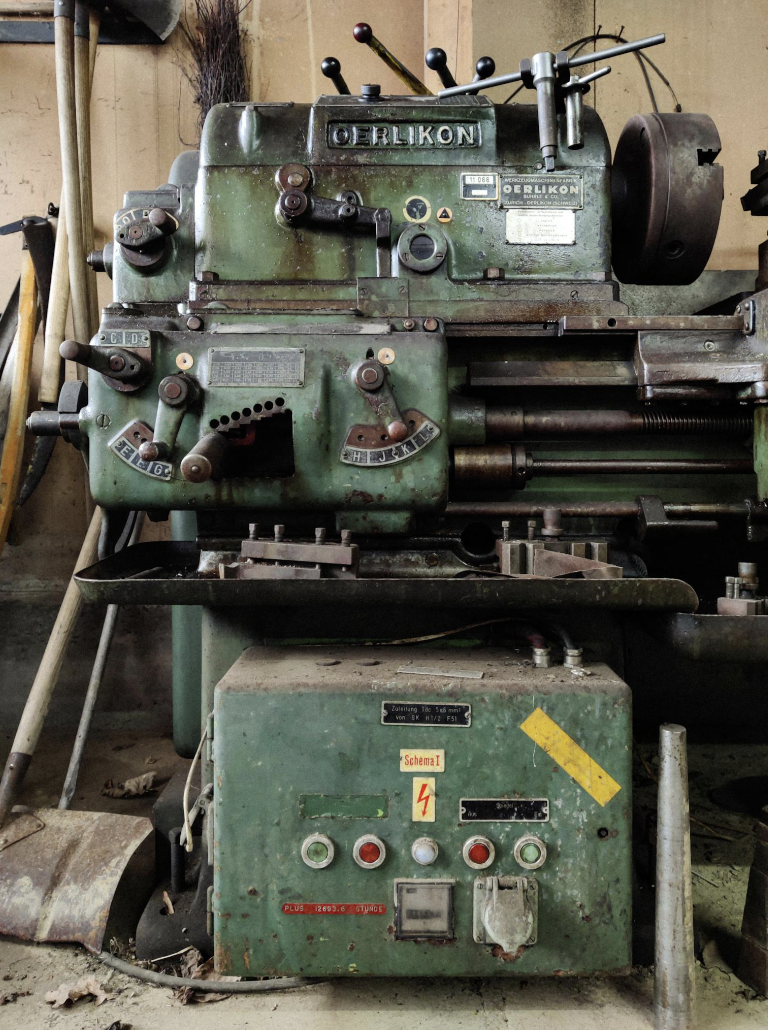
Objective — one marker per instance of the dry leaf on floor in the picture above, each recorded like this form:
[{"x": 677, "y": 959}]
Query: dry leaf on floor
[
  {"x": 6, "y": 999},
  {"x": 196, "y": 969},
  {"x": 150, "y": 761},
  {"x": 132, "y": 788},
  {"x": 68, "y": 994}
]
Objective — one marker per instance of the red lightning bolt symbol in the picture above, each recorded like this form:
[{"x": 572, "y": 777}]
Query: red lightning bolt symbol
[{"x": 424, "y": 796}]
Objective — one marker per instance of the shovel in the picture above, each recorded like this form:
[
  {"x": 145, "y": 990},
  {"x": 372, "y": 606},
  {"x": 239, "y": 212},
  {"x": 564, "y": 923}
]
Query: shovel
[{"x": 59, "y": 869}]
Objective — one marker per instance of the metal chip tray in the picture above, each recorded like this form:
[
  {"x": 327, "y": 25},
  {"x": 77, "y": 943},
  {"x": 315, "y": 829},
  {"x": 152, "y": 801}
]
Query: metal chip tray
[{"x": 165, "y": 573}]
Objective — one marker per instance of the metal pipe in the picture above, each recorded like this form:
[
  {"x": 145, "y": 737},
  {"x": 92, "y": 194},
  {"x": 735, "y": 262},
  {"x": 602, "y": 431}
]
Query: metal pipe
[
  {"x": 94, "y": 685},
  {"x": 675, "y": 971},
  {"x": 583, "y": 509}
]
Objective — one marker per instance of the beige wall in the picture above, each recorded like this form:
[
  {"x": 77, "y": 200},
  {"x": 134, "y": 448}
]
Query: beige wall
[{"x": 716, "y": 58}]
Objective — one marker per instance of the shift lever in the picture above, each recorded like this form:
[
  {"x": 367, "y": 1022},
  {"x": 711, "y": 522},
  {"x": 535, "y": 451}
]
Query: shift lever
[
  {"x": 363, "y": 33},
  {"x": 331, "y": 69},
  {"x": 437, "y": 60}
]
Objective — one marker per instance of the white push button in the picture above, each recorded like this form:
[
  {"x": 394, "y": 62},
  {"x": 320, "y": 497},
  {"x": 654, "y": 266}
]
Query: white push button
[{"x": 424, "y": 850}]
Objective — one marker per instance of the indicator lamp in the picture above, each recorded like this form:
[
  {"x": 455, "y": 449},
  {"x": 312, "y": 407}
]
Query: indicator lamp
[
  {"x": 369, "y": 851},
  {"x": 317, "y": 851},
  {"x": 478, "y": 852},
  {"x": 530, "y": 852},
  {"x": 424, "y": 850}
]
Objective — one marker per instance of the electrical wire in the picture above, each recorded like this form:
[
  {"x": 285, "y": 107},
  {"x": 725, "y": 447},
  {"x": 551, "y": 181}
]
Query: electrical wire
[
  {"x": 187, "y": 830},
  {"x": 279, "y": 983}
]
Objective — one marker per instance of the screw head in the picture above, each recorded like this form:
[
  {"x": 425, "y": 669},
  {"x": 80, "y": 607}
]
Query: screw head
[
  {"x": 194, "y": 322},
  {"x": 103, "y": 420},
  {"x": 369, "y": 375},
  {"x": 295, "y": 179},
  {"x": 116, "y": 362},
  {"x": 430, "y": 324},
  {"x": 172, "y": 390},
  {"x": 409, "y": 323}
]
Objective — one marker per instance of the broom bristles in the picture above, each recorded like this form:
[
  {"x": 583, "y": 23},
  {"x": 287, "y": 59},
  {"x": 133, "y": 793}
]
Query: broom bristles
[{"x": 218, "y": 44}]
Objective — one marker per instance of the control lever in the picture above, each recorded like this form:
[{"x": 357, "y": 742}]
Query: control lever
[
  {"x": 331, "y": 69},
  {"x": 297, "y": 207},
  {"x": 363, "y": 33},
  {"x": 124, "y": 366},
  {"x": 546, "y": 73},
  {"x": 143, "y": 243},
  {"x": 176, "y": 393},
  {"x": 484, "y": 68},
  {"x": 575, "y": 89},
  {"x": 206, "y": 459},
  {"x": 372, "y": 379},
  {"x": 437, "y": 60}
]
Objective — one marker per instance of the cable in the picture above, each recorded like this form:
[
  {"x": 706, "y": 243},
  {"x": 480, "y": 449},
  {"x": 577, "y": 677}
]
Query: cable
[
  {"x": 187, "y": 830},
  {"x": 279, "y": 983}
]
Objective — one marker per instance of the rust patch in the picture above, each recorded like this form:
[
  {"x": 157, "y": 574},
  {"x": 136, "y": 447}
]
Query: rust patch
[
  {"x": 351, "y": 947},
  {"x": 507, "y": 956}
]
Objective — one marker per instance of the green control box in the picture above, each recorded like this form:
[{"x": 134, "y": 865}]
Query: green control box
[{"x": 392, "y": 811}]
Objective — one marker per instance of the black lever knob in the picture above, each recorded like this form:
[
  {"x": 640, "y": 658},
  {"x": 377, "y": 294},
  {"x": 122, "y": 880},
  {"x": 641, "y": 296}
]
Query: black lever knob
[
  {"x": 331, "y": 69},
  {"x": 437, "y": 60},
  {"x": 114, "y": 362},
  {"x": 484, "y": 68}
]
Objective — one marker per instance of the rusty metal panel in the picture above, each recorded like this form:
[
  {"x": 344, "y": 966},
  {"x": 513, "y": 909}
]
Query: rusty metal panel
[{"x": 57, "y": 882}]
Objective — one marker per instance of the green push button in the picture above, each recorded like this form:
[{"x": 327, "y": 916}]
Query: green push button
[
  {"x": 530, "y": 853},
  {"x": 317, "y": 852}
]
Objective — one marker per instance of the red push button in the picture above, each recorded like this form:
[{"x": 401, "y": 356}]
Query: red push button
[
  {"x": 479, "y": 854},
  {"x": 370, "y": 852}
]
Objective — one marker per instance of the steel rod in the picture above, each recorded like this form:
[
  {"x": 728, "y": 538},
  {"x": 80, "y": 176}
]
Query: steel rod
[
  {"x": 640, "y": 466},
  {"x": 675, "y": 970},
  {"x": 583, "y": 509},
  {"x": 505, "y": 424}
]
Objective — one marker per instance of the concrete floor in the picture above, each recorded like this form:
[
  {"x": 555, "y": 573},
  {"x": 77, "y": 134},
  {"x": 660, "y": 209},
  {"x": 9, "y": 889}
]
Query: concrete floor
[{"x": 119, "y": 748}]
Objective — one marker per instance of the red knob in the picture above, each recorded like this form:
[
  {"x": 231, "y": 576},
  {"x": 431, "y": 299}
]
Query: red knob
[{"x": 362, "y": 32}]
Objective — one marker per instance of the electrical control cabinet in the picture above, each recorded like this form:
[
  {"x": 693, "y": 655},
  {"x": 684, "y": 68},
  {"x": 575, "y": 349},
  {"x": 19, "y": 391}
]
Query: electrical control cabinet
[{"x": 408, "y": 812}]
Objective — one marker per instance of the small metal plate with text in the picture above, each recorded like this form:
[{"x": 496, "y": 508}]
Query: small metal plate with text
[
  {"x": 425, "y": 713},
  {"x": 256, "y": 366},
  {"x": 504, "y": 810}
]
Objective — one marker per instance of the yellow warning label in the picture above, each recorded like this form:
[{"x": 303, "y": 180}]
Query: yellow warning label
[
  {"x": 423, "y": 799},
  {"x": 567, "y": 753},
  {"x": 444, "y": 214},
  {"x": 422, "y": 759}
]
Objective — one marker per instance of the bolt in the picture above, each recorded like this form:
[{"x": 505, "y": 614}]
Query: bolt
[
  {"x": 346, "y": 537},
  {"x": 279, "y": 534},
  {"x": 320, "y": 535},
  {"x": 709, "y": 345},
  {"x": 432, "y": 560},
  {"x": 493, "y": 273},
  {"x": 292, "y": 202},
  {"x": 194, "y": 322},
  {"x": 253, "y": 531},
  {"x": 103, "y": 420},
  {"x": 102, "y": 336},
  {"x": 505, "y": 530},
  {"x": 369, "y": 375},
  {"x": 116, "y": 362},
  {"x": 430, "y": 324},
  {"x": 409, "y": 323},
  {"x": 552, "y": 525},
  {"x": 761, "y": 155},
  {"x": 135, "y": 232},
  {"x": 172, "y": 390},
  {"x": 531, "y": 529},
  {"x": 295, "y": 179},
  {"x": 574, "y": 294}
]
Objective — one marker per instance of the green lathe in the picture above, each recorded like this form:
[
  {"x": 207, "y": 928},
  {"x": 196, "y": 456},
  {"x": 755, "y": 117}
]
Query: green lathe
[{"x": 442, "y": 407}]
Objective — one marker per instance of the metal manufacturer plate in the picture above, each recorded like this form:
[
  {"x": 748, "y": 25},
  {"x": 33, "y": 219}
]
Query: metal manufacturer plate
[
  {"x": 425, "y": 713},
  {"x": 332, "y": 908},
  {"x": 395, "y": 452},
  {"x": 124, "y": 337},
  {"x": 256, "y": 366},
  {"x": 541, "y": 226},
  {"x": 479, "y": 186},
  {"x": 504, "y": 810},
  {"x": 552, "y": 190}
]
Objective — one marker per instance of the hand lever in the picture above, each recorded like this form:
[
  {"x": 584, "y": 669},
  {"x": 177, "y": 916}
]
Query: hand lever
[
  {"x": 331, "y": 69},
  {"x": 176, "y": 393},
  {"x": 125, "y": 366},
  {"x": 372, "y": 380},
  {"x": 484, "y": 68},
  {"x": 363, "y": 33},
  {"x": 437, "y": 60},
  {"x": 574, "y": 90},
  {"x": 573, "y": 62}
]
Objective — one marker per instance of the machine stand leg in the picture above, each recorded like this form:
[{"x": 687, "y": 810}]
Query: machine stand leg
[{"x": 753, "y": 960}]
